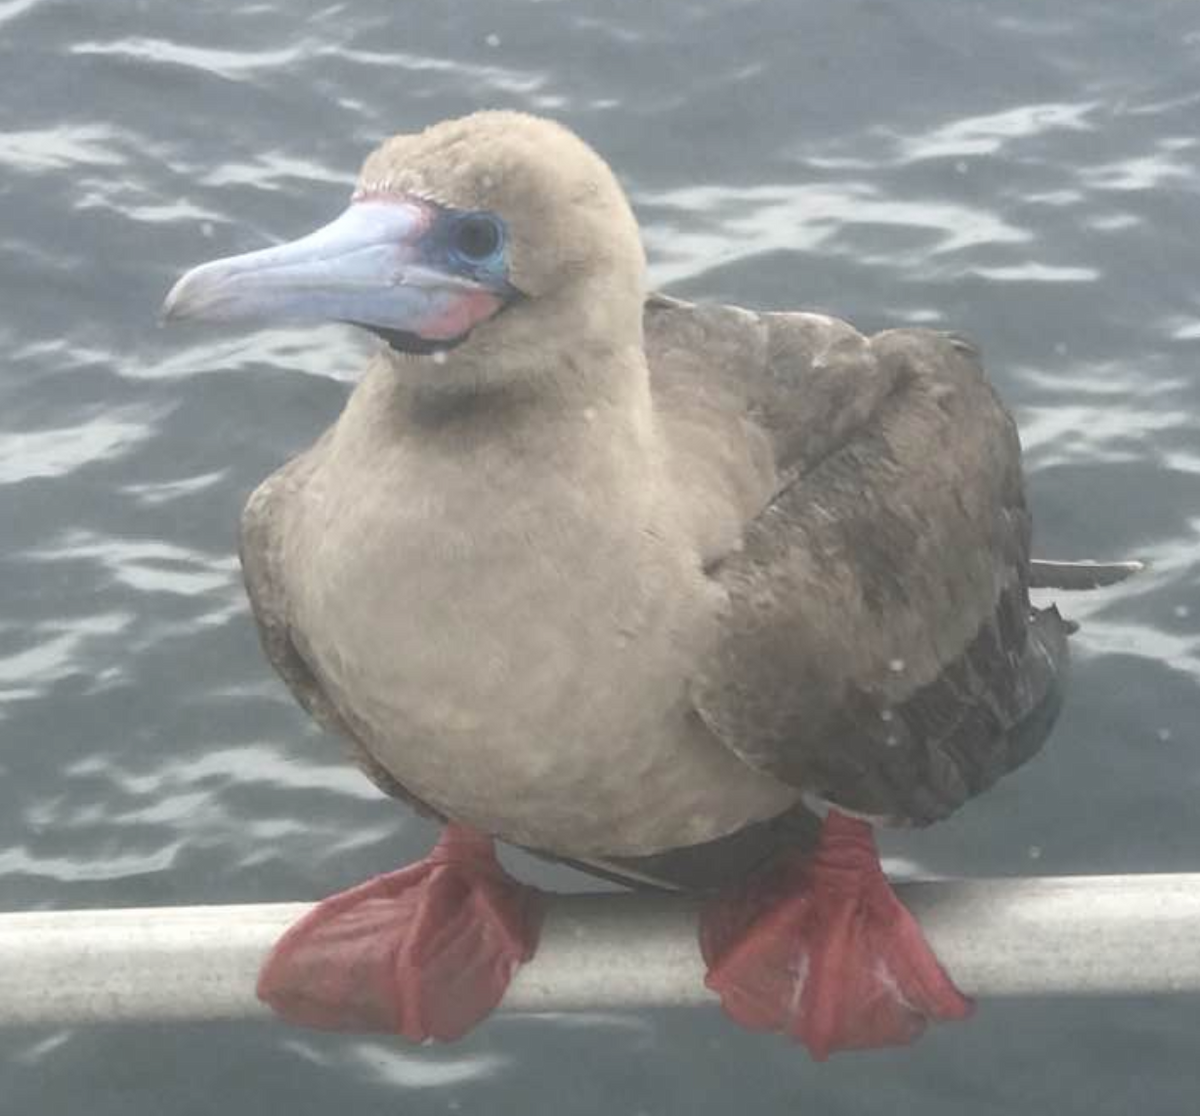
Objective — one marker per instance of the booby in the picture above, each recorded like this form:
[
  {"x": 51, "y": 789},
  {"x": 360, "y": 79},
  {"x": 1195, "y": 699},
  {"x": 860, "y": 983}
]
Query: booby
[{"x": 638, "y": 584}]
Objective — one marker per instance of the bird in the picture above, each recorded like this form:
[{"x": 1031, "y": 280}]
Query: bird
[{"x": 688, "y": 596}]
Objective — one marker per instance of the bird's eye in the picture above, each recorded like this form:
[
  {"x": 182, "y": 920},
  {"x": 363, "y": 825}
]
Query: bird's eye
[{"x": 477, "y": 237}]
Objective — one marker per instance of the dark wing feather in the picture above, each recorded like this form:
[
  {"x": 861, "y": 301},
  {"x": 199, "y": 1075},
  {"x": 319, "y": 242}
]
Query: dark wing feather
[
  {"x": 879, "y": 650},
  {"x": 261, "y": 548}
]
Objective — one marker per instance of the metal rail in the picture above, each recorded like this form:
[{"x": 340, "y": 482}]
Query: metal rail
[{"x": 1084, "y": 935}]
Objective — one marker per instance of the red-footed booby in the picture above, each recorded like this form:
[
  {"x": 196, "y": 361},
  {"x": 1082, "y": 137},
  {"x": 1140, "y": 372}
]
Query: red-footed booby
[{"x": 633, "y": 583}]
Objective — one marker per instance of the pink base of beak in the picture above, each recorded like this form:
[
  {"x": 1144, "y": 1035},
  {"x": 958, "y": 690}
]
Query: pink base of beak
[{"x": 460, "y": 315}]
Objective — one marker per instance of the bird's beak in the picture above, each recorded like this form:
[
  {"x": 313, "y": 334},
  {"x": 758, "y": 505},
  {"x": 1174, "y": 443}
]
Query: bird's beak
[{"x": 368, "y": 267}]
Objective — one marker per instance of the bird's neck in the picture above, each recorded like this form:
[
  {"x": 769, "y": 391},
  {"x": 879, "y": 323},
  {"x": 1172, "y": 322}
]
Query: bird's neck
[
  {"x": 449, "y": 398},
  {"x": 467, "y": 483}
]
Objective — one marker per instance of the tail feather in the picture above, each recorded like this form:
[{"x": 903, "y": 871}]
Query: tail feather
[{"x": 1080, "y": 575}]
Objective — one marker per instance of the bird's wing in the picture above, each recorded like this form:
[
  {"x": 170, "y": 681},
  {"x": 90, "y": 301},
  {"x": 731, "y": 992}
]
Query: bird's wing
[
  {"x": 261, "y": 549},
  {"x": 879, "y": 649}
]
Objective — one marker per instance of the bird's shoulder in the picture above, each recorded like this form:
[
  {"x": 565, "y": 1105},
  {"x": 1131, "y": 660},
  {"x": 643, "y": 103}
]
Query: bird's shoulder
[{"x": 807, "y": 380}]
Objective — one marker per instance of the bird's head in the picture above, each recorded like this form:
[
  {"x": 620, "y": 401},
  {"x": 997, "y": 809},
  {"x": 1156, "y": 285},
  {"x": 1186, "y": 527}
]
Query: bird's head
[{"x": 501, "y": 235}]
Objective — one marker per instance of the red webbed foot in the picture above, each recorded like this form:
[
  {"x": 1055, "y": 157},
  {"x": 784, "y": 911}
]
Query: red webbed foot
[
  {"x": 425, "y": 952},
  {"x": 820, "y": 949}
]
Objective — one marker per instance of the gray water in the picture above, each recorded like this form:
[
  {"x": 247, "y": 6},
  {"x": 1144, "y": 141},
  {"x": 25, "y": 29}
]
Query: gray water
[{"x": 1025, "y": 173}]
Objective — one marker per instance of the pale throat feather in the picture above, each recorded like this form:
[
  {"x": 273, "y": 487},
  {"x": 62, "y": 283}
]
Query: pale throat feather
[{"x": 509, "y": 662}]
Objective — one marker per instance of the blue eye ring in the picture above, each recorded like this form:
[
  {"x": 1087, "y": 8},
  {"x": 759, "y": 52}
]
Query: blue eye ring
[{"x": 477, "y": 238}]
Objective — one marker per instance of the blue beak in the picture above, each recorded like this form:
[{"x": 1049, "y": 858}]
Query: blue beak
[{"x": 370, "y": 267}]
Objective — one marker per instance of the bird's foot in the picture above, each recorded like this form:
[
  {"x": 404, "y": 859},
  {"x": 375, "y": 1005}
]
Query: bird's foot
[
  {"x": 425, "y": 952},
  {"x": 820, "y": 949}
]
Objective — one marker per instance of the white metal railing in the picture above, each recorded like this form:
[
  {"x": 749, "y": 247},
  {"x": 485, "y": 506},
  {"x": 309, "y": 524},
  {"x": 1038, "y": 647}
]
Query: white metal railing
[{"x": 1084, "y": 935}]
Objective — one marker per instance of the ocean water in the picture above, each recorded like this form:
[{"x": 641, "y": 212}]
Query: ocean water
[{"x": 1026, "y": 174}]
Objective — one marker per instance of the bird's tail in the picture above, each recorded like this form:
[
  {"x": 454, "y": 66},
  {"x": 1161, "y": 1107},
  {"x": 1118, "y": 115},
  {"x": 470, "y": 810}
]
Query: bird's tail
[{"x": 1080, "y": 575}]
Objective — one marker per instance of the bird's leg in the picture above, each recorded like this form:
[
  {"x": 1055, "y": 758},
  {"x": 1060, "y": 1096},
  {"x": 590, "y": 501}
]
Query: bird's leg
[
  {"x": 426, "y": 952},
  {"x": 820, "y": 949}
]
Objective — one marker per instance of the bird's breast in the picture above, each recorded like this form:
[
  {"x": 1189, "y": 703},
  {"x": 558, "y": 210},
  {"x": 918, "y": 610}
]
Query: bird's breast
[{"x": 519, "y": 658}]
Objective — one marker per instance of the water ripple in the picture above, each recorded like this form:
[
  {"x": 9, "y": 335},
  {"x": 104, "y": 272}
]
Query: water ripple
[
  {"x": 96, "y": 864},
  {"x": 330, "y": 352},
  {"x": 152, "y": 493},
  {"x": 60, "y": 649},
  {"x": 1144, "y": 172},
  {"x": 61, "y": 148},
  {"x": 234, "y": 65},
  {"x": 149, "y": 565},
  {"x": 245, "y": 763},
  {"x": 995, "y": 132},
  {"x": 719, "y": 224},
  {"x": 65, "y": 449}
]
